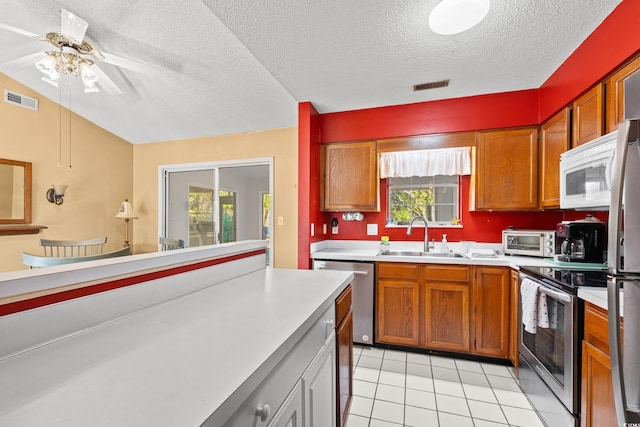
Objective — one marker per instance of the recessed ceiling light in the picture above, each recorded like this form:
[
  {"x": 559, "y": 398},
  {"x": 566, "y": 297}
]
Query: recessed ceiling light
[{"x": 456, "y": 16}]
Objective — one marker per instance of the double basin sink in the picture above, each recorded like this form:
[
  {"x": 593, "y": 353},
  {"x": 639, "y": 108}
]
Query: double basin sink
[{"x": 423, "y": 254}]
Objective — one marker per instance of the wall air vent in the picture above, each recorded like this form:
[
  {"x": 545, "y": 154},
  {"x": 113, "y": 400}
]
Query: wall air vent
[
  {"x": 431, "y": 85},
  {"x": 21, "y": 100}
]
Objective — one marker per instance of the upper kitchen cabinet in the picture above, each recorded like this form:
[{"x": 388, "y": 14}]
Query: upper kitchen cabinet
[
  {"x": 350, "y": 181},
  {"x": 588, "y": 116},
  {"x": 555, "y": 138},
  {"x": 614, "y": 90},
  {"x": 506, "y": 175}
]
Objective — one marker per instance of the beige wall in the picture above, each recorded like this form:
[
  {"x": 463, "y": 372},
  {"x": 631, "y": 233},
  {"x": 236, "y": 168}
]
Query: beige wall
[
  {"x": 279, "y": 144},
  {"x": 102, "y": 175}
]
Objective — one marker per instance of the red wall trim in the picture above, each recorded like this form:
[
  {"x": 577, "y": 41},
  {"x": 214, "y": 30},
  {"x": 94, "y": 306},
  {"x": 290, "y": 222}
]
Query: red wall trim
[
  {"x": 497, "y": 110},
  {"x": 41, "y": 301}
]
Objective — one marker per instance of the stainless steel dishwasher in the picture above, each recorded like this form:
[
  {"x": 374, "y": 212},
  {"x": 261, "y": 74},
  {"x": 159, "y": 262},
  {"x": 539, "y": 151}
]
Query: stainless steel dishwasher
[{"x": 362, "y": 295}]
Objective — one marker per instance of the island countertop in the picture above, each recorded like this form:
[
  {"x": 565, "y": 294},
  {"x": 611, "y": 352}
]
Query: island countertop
[{"x": 172, "y": 364}]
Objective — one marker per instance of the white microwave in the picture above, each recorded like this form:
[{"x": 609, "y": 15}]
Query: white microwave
[{"x": 585, "y": 174}]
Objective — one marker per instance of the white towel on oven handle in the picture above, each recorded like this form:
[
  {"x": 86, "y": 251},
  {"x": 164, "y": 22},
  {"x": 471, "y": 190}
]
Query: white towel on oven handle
[
  {"x": 543, "y": 311},
  {"x": 529, "y": 291},
  {"x": 547, "y": 312}
]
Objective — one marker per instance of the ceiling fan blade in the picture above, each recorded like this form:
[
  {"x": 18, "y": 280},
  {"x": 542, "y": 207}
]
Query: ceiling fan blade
[
  {"x": 72, "y": 25},
  {"x": 23, "y": 61},
  {"x": 105, "y": 82},
  {"x": 21, "y": 32},
  {"x": 129, "y": 64}
]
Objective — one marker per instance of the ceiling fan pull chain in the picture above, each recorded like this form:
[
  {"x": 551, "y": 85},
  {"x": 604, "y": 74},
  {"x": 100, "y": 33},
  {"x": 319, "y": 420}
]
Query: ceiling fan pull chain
[{"x": 69, "y": 83}]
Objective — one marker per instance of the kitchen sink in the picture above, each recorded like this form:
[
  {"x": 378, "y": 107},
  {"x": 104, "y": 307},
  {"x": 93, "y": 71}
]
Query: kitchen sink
[{"x": 423, "y": 254}]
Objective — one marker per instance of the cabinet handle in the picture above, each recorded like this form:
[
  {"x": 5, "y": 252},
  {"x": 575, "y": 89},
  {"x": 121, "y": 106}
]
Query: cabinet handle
[
  {"x": 263, "y": 412},
  {"x": 330, "y": 323}
]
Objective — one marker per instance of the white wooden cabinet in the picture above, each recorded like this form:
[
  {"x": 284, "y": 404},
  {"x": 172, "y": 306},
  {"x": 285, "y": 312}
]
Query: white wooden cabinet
[
  {"x": 308, "y": 370},
  {"x": 319, "y": 387},
  {"x": 290, "y": 413}
]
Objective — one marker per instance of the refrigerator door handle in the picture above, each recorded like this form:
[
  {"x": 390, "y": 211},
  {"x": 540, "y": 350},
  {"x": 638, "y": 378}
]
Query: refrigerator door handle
[
  {"x": 617, "y": 183},
  {"x": 615, "y": 348}
]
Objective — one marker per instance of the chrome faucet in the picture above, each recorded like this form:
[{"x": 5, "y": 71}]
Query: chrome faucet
[{"x": 426, "y": 231}]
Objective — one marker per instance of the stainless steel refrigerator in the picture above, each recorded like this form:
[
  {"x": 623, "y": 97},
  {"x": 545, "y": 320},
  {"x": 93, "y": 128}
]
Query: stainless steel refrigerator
[{"x": 623, "y": 261}]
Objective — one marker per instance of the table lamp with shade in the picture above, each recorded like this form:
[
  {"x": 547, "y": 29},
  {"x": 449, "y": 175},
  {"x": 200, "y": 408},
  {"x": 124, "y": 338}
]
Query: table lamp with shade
[{"x": 126, "y": 212}]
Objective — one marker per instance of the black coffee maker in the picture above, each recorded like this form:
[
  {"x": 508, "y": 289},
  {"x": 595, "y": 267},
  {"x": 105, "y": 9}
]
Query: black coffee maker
[{"x": 582, "y": 241}]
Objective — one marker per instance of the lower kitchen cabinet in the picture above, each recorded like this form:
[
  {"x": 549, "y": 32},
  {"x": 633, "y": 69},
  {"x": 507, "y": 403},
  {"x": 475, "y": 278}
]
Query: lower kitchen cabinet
[
  {"x": 491, "y": 297},
  {"x": 398, "y": 304},
  {"x": 319, "y": 388},
  {"x": 344, "y": 355},
  {"x": 456, "y": 308},
  {"x": 598, "y": 408},
  {"x": 290, "y": 413},
  {"x": 446, "y": 320}
]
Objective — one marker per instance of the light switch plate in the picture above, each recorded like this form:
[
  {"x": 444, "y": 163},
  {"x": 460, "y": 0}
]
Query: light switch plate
[{"x": 372, "y": 229}]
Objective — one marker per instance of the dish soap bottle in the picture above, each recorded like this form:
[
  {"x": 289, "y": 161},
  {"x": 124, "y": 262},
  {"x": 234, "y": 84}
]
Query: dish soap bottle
[{"x": 444, "y": 247}]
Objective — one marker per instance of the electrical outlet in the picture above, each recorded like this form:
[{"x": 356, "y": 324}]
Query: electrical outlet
[
  {"x": 280, "y": 220},
  {"x": 324, "y": 228},
  {"x": 313, "y": 229},
  {"x": 372, "y": 229}
]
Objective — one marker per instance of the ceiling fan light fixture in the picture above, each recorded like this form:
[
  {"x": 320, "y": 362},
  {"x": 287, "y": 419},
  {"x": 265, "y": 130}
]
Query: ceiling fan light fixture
[
  {"x": 73, "y": 26},
  {"x": 455, "y": 16}
]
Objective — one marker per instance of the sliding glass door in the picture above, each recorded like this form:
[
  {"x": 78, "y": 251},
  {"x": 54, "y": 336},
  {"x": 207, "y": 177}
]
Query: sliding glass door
[{"x": 212, "y": 203}]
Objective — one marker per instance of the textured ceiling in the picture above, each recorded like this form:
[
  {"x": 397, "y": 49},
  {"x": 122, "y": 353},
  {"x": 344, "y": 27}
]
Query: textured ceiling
[{"x": 230, "y": 66}]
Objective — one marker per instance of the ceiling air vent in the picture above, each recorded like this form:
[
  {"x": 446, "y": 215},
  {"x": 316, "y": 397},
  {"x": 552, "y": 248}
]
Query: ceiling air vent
[
  {"x": 21, "y": 100},
  {"x": 431, "y": 85}
]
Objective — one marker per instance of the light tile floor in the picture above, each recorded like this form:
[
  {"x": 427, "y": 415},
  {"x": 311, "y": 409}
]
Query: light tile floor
[{"x": 395, "y": 388}]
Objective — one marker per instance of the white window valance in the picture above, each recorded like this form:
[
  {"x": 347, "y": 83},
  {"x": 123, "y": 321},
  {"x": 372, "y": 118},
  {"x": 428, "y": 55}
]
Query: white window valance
[{"x": 441, "y": 161}]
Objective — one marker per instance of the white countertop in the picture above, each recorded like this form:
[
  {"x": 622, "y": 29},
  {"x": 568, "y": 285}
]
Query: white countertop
[
  {"x": 173, "y": 364},
  {"x": 368, "y": 251},
  {"x": 352, "y": 250}
]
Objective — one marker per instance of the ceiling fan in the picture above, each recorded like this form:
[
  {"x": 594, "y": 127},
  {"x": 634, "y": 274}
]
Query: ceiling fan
[{"x": 75, "y": 56}]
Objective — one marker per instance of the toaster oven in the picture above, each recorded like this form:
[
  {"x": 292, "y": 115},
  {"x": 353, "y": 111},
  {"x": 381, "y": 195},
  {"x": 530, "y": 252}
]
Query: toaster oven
[{"x": 537, "y": 243}]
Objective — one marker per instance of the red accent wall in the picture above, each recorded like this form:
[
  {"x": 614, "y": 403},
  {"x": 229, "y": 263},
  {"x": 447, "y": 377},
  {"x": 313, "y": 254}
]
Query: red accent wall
[
  {"x": 308, "y": 181},
  {"x": 477, "y": 226},
  {"x": 498, "y": 110}
]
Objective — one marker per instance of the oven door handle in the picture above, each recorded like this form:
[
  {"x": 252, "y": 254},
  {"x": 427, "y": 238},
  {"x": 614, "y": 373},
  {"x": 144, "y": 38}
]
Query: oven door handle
[{"x": 557, "y": 295}]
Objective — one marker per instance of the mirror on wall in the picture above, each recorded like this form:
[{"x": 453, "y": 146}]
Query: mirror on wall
[{"x": 15, "y": 192}]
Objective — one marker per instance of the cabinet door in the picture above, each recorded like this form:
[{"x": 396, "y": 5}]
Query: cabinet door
[
  {"x": 491, "y": 311},
  {"x": 554, "y": 140},
  {"x": 344, "y": 342},
  {"x": 588, "y": 116},
  {"x": 351, "y": 177},
  {"x": 319, "y": 388},
  {"x": 290, "y": 413},
  {"x": 506, "y": 175},
  {"x": 514, "y": 319},
  {"x": 398, "y": 312},
  {"x": 598, "y": 409},
  {"x": 614, "y": 92},
  {"x": 446, "y": 321}
]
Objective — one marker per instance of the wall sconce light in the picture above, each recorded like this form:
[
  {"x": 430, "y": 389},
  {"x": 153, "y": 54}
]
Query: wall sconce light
[
  {"x": 56, "y": 193},
  {"x": 126, "y": 212}
]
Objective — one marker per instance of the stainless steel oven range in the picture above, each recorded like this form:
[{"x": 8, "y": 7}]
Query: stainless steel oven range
[{"x": 551, "y": 329}]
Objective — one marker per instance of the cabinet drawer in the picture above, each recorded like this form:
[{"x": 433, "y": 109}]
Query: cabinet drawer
[
  {"x": 398, "y": 270},
  {"x": 447, "y": 273},
  {"x": 343, "y": 305},
  {"x": 596, "y": 326}
]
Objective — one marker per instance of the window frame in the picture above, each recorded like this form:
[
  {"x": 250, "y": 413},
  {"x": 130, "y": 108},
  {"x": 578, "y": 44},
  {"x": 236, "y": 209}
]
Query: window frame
[{"x": 431, "y": 224}]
